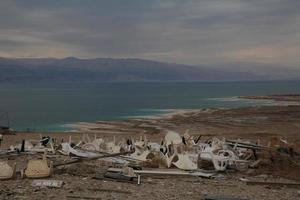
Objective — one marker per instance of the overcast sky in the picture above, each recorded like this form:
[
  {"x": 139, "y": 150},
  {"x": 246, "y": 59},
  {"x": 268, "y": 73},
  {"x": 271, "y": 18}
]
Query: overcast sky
[{"x": 181, "y": 31}]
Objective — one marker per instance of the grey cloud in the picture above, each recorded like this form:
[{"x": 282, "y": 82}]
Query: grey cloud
[{"x": 191, "y": 32}]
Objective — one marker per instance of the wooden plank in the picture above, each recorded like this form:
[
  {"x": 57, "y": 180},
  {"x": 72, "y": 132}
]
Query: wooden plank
[{"x": 167, "y": 172}]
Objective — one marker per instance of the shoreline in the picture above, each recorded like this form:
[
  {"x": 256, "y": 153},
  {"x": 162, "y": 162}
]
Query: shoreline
[
  {"x": 163, "y": 114},
  {"x": 264, "y": 124},
  {"x": 266, "y": 100},
  {"x": 210, "y": 117}
]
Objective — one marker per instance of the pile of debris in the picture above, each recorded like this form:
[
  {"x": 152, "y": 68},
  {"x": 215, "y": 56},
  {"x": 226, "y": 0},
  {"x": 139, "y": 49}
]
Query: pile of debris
[{"x": 131, "y": 158}]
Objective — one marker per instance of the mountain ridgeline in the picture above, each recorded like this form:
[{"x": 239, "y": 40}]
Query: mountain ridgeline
[{"x": 107, "y": 69}]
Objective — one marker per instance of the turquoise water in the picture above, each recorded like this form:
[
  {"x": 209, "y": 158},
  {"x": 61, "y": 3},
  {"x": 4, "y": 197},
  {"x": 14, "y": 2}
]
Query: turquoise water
[{"x": 48, "y": 106}]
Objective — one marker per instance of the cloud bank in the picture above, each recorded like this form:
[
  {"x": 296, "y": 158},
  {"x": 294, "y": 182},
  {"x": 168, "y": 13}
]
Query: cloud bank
[{"x": 191, "y": 32}]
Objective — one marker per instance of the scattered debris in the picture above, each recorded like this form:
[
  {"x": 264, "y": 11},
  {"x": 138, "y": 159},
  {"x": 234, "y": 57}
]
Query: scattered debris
[
  {"x": 39, "y": 146},
  {"x": 182, "y": 152},
  {"x": 47, "y": 183},
  {"x": 131, "y": 160},
  {"x": 90, "y": 158}
]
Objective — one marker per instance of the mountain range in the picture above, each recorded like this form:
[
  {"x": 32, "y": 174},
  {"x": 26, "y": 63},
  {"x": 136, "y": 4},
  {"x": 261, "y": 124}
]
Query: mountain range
[{"x": 109, "y": 69}]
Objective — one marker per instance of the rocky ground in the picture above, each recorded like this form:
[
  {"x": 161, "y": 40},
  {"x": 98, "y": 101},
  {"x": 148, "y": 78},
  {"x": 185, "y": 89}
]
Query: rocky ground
[{"x": 266, "y": 124}]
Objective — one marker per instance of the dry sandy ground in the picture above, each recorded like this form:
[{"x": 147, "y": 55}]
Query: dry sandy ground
[
  {"x": 151, "y": 188},
  {"x": 253, "y": 123}
]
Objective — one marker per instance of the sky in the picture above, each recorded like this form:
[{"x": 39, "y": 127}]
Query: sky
[{"x": 180, "y": 31}]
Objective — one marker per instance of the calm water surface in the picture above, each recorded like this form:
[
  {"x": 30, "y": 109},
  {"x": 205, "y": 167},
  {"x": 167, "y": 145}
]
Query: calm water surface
[{"x": 48, "y": 106}]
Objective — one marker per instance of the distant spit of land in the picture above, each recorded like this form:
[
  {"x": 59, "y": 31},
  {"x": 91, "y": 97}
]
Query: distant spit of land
[{"x": 278, "y": 97}]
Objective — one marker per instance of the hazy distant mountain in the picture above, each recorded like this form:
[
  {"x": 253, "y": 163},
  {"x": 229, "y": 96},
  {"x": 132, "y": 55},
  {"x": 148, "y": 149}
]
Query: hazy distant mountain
[
  {"x": 107, "y": 69},
  {"x": 267, "y": 70}
]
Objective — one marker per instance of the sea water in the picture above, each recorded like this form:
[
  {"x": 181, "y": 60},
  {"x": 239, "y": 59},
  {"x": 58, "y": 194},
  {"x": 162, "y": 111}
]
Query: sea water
[{"x": 49, "y": 106}]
